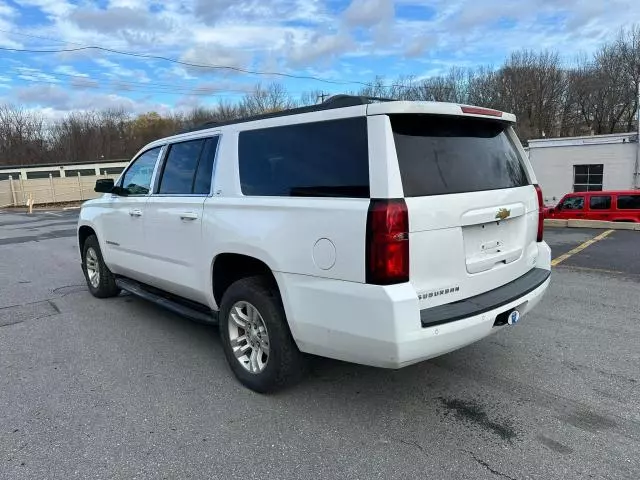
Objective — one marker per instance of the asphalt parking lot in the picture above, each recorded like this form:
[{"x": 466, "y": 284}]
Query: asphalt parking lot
[{"x": 119, "y": 388}]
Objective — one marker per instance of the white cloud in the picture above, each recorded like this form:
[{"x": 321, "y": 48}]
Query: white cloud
[
  {"x": 213, "y": 54},
  {"x": 58, "y": 100},
  {"x": 114, "y": 70},
  {"x": 320, "y": 48},
  {"x": 113, "y": 19},
  {"x": 368, "y": 13},
  {"x": 53, "y": 8},
  {"x": 69, "y": 70},
  {"x": 35, "y": 75}
]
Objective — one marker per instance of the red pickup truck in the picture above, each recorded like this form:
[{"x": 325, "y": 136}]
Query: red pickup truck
[{"x": 612, "y": 206}]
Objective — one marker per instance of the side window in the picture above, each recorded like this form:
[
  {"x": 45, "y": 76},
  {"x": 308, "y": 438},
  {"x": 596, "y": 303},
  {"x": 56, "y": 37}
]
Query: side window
[
  {"x": 188, "y": 167},
  {"x": 319, "y": 159},
  {"x": 202, "y": 183},
  {"x": 180, "y": 167},
  {"x": 628, "y": 202},
  {"x": 137, "y": 179},
  {"x": 573, "y": 203},
  {"x": 600, "y": 202}
]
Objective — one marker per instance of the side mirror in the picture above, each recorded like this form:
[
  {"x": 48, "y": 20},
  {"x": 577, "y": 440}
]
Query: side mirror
[
  {"x": 552, "y": 209},
  {"x": 104, "y": 185}
]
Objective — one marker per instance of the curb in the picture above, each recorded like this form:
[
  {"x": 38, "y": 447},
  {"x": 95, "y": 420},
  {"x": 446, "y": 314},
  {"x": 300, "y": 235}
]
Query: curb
[{"x": 552, "y": 222}]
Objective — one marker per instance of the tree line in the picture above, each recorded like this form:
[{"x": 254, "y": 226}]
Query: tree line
[{"x": 594, "y": 95}]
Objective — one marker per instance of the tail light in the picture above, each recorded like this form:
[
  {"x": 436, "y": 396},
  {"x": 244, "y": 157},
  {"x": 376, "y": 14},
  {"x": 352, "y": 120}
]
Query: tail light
[
  {"x": 540, "y": 213},
  {"x": 387, "y": 247},
  {"x": 480, "y": 111}
]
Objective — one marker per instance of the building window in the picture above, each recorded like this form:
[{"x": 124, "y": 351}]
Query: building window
[
  {"x": 587, "y": 178},
  {"x": 111, "y": 170},
  {"x": 31, "y": 175},
  {"x": 84, "y": 172}
]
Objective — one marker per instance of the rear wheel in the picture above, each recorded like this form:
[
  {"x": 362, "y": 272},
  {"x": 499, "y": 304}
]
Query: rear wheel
[
  {"x": 100, "y": 280},
  {"x": 256, "y": 338}
]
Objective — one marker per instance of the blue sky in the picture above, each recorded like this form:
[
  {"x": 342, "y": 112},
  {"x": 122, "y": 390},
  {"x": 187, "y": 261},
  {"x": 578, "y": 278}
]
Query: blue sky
[{"x": 345, "y": 41}]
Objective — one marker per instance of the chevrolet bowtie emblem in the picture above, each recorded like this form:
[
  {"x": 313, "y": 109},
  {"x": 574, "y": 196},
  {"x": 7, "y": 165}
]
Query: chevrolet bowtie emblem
[{"x": 503, "y": 213}]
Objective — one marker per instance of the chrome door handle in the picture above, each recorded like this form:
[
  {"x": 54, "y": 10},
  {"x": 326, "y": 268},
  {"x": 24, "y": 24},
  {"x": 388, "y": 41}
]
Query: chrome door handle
[
  {"x": 134, "y": 212},
  {"x": 189, "y": 216}
]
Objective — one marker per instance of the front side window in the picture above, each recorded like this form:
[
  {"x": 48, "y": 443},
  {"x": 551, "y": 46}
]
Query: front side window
[
  {"x": 319, "y": 159},
  {"x": 600, "y": 202},
  {"x": 587, "y": 178},
  {"x": 573, "y": 203},
  {"x": 628, "y": 202},
  {"x": 137, "y": 179}
]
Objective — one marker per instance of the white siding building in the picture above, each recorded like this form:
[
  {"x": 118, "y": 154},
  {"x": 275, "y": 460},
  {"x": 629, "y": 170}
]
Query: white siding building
[
  {"x": 599, "y": 162},
  {"x": 103, "y": 167}
]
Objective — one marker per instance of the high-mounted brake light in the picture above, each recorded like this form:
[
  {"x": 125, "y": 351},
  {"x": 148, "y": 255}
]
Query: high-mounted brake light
[
  {"x": 481, "y": 111},
  {"x": 387, "y": 247},
  {"x": 540, "y": 213}
]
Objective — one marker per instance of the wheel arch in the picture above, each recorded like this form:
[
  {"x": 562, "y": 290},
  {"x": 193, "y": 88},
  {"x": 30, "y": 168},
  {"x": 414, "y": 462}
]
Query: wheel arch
[
  {"x": 84, "y": 232},
  {"x": 229, "y": 267}
]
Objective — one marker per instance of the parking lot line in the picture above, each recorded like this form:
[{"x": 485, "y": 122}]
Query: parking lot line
[{"x": 580, "y": 247}]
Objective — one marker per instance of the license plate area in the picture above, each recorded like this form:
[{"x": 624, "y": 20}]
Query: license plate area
[{"x": 489, "y": 245}]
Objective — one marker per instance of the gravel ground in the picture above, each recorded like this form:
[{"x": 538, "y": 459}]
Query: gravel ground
[{"x": 119, "y": 388}]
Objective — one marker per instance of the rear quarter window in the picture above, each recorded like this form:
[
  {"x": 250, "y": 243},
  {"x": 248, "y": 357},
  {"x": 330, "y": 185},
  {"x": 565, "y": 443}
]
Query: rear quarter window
[
  {"x": 447, "y": 154},
  {"x": 628, "y": 202},
  {"x": 319, "y": 159}
]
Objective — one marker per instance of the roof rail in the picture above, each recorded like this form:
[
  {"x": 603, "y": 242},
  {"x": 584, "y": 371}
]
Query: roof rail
[{"x": 335, "y": 101}]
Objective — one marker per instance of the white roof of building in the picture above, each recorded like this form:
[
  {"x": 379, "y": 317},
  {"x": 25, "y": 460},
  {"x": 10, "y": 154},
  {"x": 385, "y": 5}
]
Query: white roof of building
[{"x": 586, "y": 140}]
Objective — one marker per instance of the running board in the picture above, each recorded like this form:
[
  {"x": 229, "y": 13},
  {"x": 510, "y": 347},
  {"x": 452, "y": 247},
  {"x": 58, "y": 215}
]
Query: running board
[{"x": 198, "y": 314}]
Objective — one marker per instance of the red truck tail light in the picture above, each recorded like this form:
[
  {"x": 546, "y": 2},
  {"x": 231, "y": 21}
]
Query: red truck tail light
[
  {"x": 540, "y": 213},
  {"x": 387, "y": 242}
]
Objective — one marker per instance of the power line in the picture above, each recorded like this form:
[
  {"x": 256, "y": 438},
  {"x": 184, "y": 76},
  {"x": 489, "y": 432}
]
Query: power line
[
  {"x": 134, "y": 87},
  {"x": 81, "y": 46},
  {"x": 188, "y": 64},
  {"x": 130, "y": 85},
  {"x": 180, "y": 62},
  {"x": 39, "y": 37},
  {"x": 168, "y": 92}
]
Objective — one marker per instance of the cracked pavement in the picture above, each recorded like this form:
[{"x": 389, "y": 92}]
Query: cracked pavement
[{"x": 120, "y": 388}]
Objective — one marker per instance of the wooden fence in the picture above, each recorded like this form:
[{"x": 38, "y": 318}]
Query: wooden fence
[{"x": 15, "y": 192}]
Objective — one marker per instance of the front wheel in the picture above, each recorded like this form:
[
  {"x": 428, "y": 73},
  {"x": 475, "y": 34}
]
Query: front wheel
[
  {"x": 256, "y": 338},
  {"x": 100, "y": 280}
]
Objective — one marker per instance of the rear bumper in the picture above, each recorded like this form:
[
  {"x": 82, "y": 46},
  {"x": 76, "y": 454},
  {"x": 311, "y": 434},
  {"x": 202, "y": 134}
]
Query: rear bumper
[
  {"x": 382, "y": 326},
  {"x": 485, "y": 302}
]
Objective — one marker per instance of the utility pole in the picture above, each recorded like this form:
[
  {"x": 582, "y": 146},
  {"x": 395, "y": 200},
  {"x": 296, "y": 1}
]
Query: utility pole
[
  {"x": 636, "y": 176},
  {"x": 321, "y": 96}
]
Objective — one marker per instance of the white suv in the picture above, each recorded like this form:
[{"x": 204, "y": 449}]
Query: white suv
[{"x": 381, "y": 233}]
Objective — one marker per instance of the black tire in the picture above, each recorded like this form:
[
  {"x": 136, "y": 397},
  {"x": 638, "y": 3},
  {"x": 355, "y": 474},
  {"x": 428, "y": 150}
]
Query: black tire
[
  {"x": 106, "y": 282},
  {"x": 285, "y": 364}
]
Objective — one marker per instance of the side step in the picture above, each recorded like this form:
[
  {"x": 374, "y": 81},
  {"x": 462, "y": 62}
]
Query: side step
[{"x": 193, "y": 311}]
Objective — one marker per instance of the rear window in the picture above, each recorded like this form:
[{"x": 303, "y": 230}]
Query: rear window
[
  {"x": 445, "y": 154},
  {"x": 628, "y": 202},
  {"x": 320, "y": 159}
]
